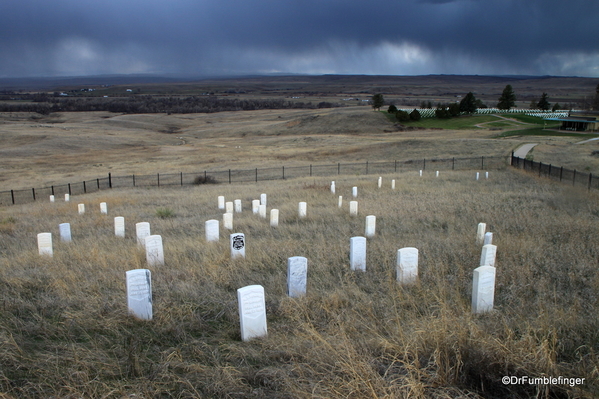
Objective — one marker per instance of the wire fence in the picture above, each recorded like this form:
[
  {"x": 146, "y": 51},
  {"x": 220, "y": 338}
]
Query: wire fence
[
  {"x": 557, "y": 173},
  {"x": 14, "y": 197}
]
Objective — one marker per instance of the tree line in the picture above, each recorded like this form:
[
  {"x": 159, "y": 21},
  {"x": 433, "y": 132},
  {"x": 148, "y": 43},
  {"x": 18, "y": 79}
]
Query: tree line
[
  {"x": 469, "y": 104},
  {"x": 150, "y": 104}
]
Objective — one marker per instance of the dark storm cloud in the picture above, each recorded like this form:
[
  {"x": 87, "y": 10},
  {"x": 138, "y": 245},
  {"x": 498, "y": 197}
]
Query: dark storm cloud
[{"x": 68, "y": 37}]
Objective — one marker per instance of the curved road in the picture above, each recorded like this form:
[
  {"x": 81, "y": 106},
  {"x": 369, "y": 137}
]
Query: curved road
[{"x": 523, "y": 150}]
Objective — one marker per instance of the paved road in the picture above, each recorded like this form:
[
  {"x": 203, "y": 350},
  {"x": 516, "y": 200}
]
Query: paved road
[
  {"x": 523, "y": 150},
  {"x": 587, "y": 141}
]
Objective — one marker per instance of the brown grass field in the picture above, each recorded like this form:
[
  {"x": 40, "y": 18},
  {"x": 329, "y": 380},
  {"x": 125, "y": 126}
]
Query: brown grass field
[
  {"x": 66, "y": 332},
  {"x": 38, "y": 151},
  {"x": 64, "y": 327}
]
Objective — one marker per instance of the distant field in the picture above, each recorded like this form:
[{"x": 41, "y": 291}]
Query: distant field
[
  {"x": 61, "y": 148},
  {"x": 38, "y": 151},
  {"x": 404, "y": 90}
]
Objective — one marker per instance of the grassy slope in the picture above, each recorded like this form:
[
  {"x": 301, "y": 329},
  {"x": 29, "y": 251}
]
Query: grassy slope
[
  {"x": 65, "y": 332},
  {"x": 65, "y": 148}
]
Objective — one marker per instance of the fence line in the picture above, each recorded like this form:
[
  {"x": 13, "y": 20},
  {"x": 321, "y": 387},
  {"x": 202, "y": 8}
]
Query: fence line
[
  {"x": 14, "y": 197},
  {"x": 557, "y": 173}
]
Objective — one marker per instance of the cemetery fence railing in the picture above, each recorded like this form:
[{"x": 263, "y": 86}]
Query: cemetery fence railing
[
  {"x": 23, "y": 196},
  {"x": 557, "y": 173}
]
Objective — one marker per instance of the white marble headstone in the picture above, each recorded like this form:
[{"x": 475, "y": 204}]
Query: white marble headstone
[
  {"x": 212, "y": 227},
  {"x": 262, "y": 211},
  {"x": 354, "y": 192},
  {"x": 353, "y": 208},
  {"x": 263, "y": 199},
  {"x": 103, "y": 208},
  {"x": 297, "y": 274},
  {"x": 393, "y": 184},
  {"x": 67, "y": 197},
  {"x": 340, "y": 201},
  {"x": 274, "y": 218},
  {"x": 480, "y": 232},
  {"x": 65, "y": 232},
  {"x": 221, "y": 202},
  {"x": 255, "y": 206},
  {"x": 237, "y": 243},
  {"x": 333, "y": 187},
  {"x": 119, "y": 226},
  {"x": 407, "y": 265},
  {"x": 228, "y": 221},
  {"x": 44, "y": 244},
  {"x": 488, "y": 238},
  {"x": 51, "y": 198},
  {"x": 154, "y": 250},
  {"x": 229, "y": 207},
  {"x": 237, "y": 206},
  {"x": 142, "y": 230},
  {"x": 357, "y": 253},
  {"x": 370, "y": 229},
  {"x": 483, "y": 289},
  {"x": 252, "y": 312},
  {"x": 380, "y": 182},
  {"x": 81, "y": 208},
  {"x": 437, "y": 174},
  {"x": 420, "y": 172},
  {"x": 139, "y": 293},
  {"x": 487, "y": 256},
  {"x": 477, "y": 175},
  {"x": 302, "y": 209}
]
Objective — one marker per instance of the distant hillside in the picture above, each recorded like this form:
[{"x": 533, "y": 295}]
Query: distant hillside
[{"x": 573, "y": 92}]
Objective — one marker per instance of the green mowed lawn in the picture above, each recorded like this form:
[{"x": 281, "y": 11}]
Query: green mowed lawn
[{"x": 537, "y": 126}]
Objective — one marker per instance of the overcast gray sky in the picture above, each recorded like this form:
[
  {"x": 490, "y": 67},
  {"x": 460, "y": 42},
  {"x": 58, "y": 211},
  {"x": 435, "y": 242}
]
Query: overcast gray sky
[{"x": 205, "y": 37}]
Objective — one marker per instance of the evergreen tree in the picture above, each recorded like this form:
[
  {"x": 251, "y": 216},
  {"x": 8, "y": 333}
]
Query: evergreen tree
[
  {"x": 468, "y": 104},
  {"x": 392, "y": 109},
  {"x": 507, "y": 99},
  {"x": 543, "y": 103},
  {"x": 415, "y": 115},
  {"x": 378, "y": 101},
  {"x": 454, "y": 109}
]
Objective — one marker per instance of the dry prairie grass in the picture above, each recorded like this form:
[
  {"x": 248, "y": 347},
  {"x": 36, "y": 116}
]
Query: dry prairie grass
[
  {"x": 66, "y": 333},
  {"x": 69, "y": 147}
]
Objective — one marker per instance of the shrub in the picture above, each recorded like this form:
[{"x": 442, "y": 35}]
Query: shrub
[
  {"x": 205, "y": 180},
  {"x": 402, "y": 116},
  {"x": 164, "y": 213},
  {"x": 442, "y": 113}
]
